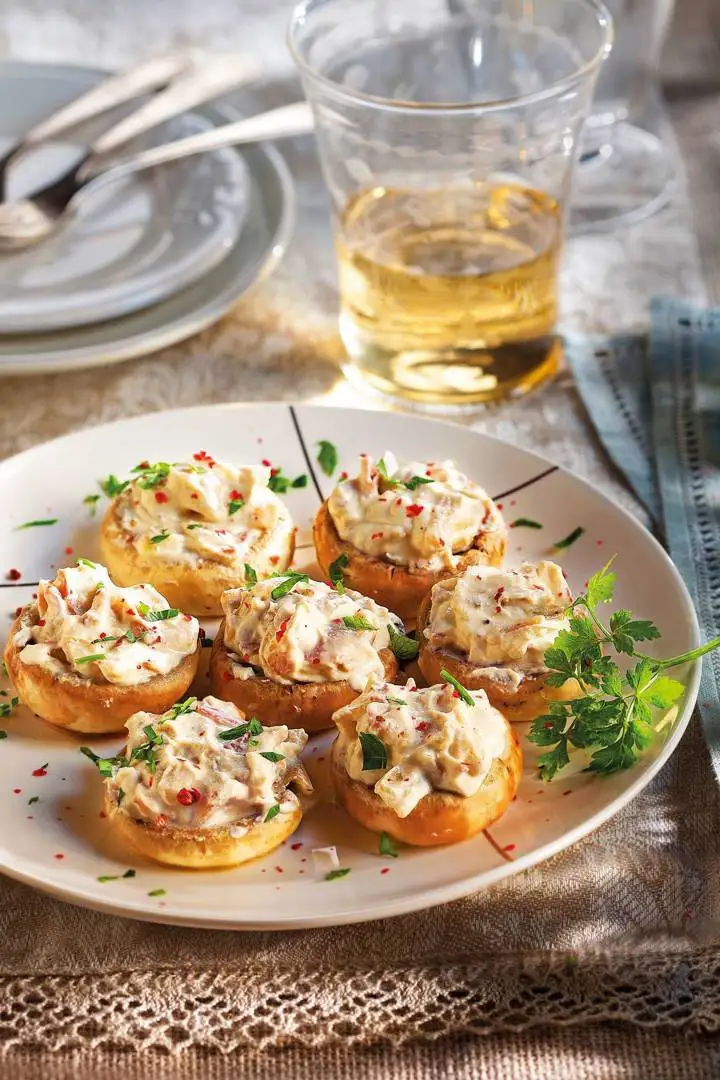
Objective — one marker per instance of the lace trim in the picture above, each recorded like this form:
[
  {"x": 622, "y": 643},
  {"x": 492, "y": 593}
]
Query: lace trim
[{"x": 226, "y": 1012}]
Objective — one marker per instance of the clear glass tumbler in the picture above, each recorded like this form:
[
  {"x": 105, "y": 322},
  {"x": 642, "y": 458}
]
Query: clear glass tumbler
[{"x": 447, "y": 131}]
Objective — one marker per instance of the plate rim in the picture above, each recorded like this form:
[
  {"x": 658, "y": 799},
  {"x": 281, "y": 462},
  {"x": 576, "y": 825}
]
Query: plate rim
[
  {"x": 441, "y": 894},
  {"x": 145, "y": 343}
]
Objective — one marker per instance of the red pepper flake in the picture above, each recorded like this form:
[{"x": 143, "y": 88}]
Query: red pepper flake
[
  {"x": 161, "y": 497},
  {"x": 499, "y": 593},
  {"x": 274, "y": 472},
  {"x": 398, "y": 502},
  {"x": 194, "y": 495},
  {"x": 274, "y": 559},
  {"x": 58, "y": 855},
  {"x": 413, "y": 510},
  {"x": 227, "y": 677},
  {"x": 265, "y": 462},
  {"x": 279, "y": 869},
  {"x": 385, "y": 870},
  {"x": 42, "y": 771},
  {"x": 235, "y": 494},
  {"x": 509, "y": 847},
  {"x": 202, "y": 455},
  {"x": 456, "y": 693},
  {"x": 13, "y": 574},
  {"x": 599, "y": 543},
  {"x": 422, "y": 726},
  {"x": 296, "y": 846},
  {"x": 316, "y": 660},
  {"x": 568, "y": 792},
  {"x": 280, "y": 634},
  {"x": 68, "y": 551},
  {"x": 377, "y": 536},
  {"x": 499, "y": 506},
  {"x": 40, "y": 622},
  {"x": 17, "y": 791},
  {"x": 343, "y": 475},
  {"x": 188, "y": 796}
]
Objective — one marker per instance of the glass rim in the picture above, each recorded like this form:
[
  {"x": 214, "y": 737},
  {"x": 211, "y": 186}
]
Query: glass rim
[{"x": 604, "y": 21}]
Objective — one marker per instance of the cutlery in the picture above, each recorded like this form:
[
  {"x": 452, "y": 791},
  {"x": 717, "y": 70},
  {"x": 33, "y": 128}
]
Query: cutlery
[
  {"x": 30, "y": 221},
  {"x": 111, "y": 92}
]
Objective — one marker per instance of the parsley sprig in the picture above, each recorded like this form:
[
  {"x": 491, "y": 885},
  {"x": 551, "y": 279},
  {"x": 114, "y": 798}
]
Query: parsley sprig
[{"x": 613, "y": 719}]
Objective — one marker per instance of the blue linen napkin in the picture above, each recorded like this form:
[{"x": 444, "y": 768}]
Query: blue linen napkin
[{"x": 656, "y": 407}]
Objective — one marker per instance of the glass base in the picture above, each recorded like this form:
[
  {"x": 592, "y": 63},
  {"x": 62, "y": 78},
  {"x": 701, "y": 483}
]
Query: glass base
[
  {"x": 451, "y": 380},
  {"x": 622, "y": 180}
]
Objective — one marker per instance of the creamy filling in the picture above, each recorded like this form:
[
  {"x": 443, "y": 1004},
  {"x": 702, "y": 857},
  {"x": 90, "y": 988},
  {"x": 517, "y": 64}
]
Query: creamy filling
[
  {"x": 206, "y": 511},
  {"x": 178, "y": 771},
  {"x": 432, "y": 741},
  {"x": 312, "y": 634},
  {"x": 420, "y": 515},
  {"x": 501, "y": 621},
  {"x": 84, "y": 624}
]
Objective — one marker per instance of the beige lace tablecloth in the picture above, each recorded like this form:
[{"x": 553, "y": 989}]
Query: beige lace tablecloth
[{"x": 624, "y": 927}]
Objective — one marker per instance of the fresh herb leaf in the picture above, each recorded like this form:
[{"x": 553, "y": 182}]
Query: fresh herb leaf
[
  {"x": 4, "y": 669},
  {"x": 281, "y": 484},
  {"x": 152, "y": 735},
  {"x": 387, "y": 480},
  {"x": 160, "y": 616},
  {"x": 40, "y": 521},
  {"x": 335, "y": 572},
  {"x": 108, "y": 877},
  {"x": 600, "y": 588},
  {"x": 395, "y": 701},
  {"x": 157, "y": 892},
  {"x": 417, "y": 481},
  {"x": 460, "y": 690},
  {"x": 357, "y": 622},
  {"x": 525, "y": 523},
  {"x": 182, "y": 708},
  {"x": 386, "y": 846},
  {"x": 234, "y": 505},
  {"x": 158, "y": 539},
  {"x": 272, "y": 812},
  {"x": 374, "y": 751},
  {"x": 105, "y": 766},
  {"x": 569, "y": 539},
  {"x": 250, "y": 574},
  {"x": 91, "y": 502},
  {"x": 86, "y": 562},
  {"x": 112, "y": 486},
  {"x": 292, "y": 578},
  {"x": 129, "y": 873},
  {"x": 150, "y": 476},
  {"x": 33, "y": 800},
  {"x": 300, "y": 481},
  {"x": 7, "y": 708},
  {"x": 195, "y": 525},
  {"x": 327, "y": 457},
  {"x": 91, "y": 659},
  {"x": 270, "y": 755},
  {"x": 3, "y": 733},
  {"x": 404, "y": 647},
  {"x": 251, "y": 727},
  {"x": 332, "y": 875}
]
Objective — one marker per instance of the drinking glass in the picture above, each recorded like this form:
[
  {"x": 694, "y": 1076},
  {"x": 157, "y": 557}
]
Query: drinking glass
[
  {"x": 625, "y": 171},
  {"x": 447, "y": 131}
]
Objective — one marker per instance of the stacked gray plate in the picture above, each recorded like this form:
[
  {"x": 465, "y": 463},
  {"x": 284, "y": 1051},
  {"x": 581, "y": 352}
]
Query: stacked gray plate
[{"x": 150, "y": 260}]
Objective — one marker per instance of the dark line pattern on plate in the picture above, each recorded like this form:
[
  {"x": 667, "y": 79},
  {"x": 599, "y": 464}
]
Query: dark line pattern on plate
[
  {"x": 493, "y": 843},
  {"x": 304, "y": 449},
  {"x": 17, "y": 584},
  {"x": 527, "y": 483}
]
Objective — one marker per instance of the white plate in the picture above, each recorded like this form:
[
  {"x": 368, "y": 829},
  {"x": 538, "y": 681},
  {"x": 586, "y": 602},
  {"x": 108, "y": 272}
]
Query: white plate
[
  {"x": 263, "y": 238},
  {"x": 60, "y": 844},
  {"x": 132, "y": 244}
]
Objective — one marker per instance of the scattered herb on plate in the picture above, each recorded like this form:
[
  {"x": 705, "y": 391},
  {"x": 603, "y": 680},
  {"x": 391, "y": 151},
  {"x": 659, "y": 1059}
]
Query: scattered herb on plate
[
  {"x": 525, "y": 523},
  {"x": 37, "y": 523},
  {"x": 341, "y": 872},
  {"x": 404, "y": 647},
  {"x": 91, "y": 502},
  {"x": 327, "y": 457},
  {"x": 111, "y": 486},
  {"x": 569, "y": 539},
  {"x": 386, "y": 846},
  {"x": 280, "y": 484},
  {"x": 8, "y": 707}
]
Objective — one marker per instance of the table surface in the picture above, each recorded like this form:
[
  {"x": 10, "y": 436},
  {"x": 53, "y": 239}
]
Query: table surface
[{"x": 280, "y": 342}]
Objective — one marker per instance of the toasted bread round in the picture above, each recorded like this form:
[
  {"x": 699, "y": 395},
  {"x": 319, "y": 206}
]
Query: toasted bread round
[
  {"x": 93, "y": 708},
  {"x": 441, "y": 817},
  {"x": 530, "y": 698},
  {"x": 193, "y": 587},
  {"x": 297, "y": 705},
  {"x": 203, "y": 849},
  {"x": 396, "y": 587}
]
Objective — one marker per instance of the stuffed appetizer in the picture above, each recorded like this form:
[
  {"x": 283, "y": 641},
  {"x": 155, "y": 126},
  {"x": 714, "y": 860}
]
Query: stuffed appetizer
[
  {"x": 201, "y": 786},
  {"x": 191, "y": 528},
  {"x": 490, "y": 628},
  {"x": 396, "y": 529},
  {"x": 87, "y": 654},
  {"x": 428, "y": 767},
  {"x": 292, "y": 651}
]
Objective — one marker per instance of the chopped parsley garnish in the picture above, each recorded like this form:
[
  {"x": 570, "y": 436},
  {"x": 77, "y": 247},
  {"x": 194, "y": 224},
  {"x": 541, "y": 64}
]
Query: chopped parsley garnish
[
  {"x": 525, "y": 523},
  {"x": 234, "y": 505},
  {"x": 462, "y": 693},
  {"x": 357, "y": 622},
  {"x": 4, "y": 669},
  {"x": 327, "y": 457},
  {"x": 570, "y": 538},
  {"x": 292, "y": 578},
  {"x": 91, "y": 502},
  {"x": 160, "y": 537},
  {"x": 250, "y": 574},
  {"x": 40, "y": 521},
  {"x": 116, "y": 877},
  {"x": 104, "y": 765},
  {"x": 157, "y": 616},
  {"x": 195, "y": 525},
  {"x": 86, "y": 562},
  {"x": 157, "y": 892},
  {"x": 386, "y": 846},
  {"x": 404, "y": 647},
  {"x": 33, "y": 800},
  {"x": 181, "y": 708},
  {"x": 374, "y": 751},
  {"x": 417, "y": 481},
  {"x": 388, "y": 481},
  {"x": 152, "y": 735},
  {"x": 129, "y": 873},
  {"x": 112, "y": 486},
  {"x": 149, "y": 476},
  {"x": 335, "y": 572},
  {"x": 252, "y": 727},
  {"x": 341, "y": 872},
  {"x": 91, "y": 659},
  {"x": 6, "y": 708},
  {"x": 614, "y": 718},
  {"x": 3, "y": 733},
  {"x": 395, "y": 701},
  {"x": 107, "y": 638},
  {"x": 280, "y": 484},
  {"x": 270, "y": 755},
  {"x": 272, "y": 812}
]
